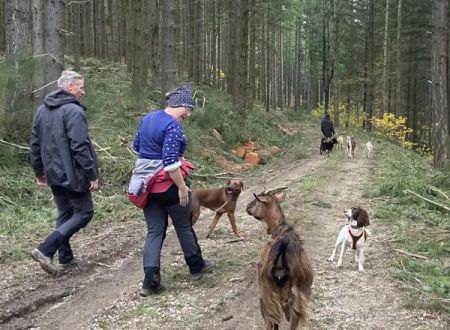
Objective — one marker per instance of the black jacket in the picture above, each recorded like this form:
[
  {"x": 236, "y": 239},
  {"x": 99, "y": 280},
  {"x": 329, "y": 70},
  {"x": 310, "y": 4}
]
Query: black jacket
[
  {"x": 60, "y": 146},
  {"x": 326, "y": 126}
]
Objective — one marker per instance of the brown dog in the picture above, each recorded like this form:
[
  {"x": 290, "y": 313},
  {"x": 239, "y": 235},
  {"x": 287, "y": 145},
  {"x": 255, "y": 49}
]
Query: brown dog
[{"x": 220, "y": 200}]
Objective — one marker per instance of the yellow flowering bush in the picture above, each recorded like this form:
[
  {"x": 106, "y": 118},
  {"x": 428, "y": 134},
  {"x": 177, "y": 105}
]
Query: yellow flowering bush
[{"x": 394, "y": 128}]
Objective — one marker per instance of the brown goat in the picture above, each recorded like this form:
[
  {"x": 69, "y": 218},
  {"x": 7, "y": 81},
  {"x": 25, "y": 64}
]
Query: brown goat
[{"x": 285, "y": 274}]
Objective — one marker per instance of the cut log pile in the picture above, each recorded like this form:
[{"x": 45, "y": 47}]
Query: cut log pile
[{"x": 254, "y": 154}]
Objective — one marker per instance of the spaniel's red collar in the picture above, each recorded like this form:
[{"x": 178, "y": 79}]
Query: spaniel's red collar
[{"x": 355, "y": 238}]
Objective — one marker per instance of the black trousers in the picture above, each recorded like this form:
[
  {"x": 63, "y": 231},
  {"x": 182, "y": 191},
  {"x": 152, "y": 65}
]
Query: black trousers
[
  {"x": 160, "y": 206},
  {"x": 75, "y": 211}
]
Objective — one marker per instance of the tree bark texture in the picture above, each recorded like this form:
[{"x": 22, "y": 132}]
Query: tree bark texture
[{"x": 440, "y": 83}]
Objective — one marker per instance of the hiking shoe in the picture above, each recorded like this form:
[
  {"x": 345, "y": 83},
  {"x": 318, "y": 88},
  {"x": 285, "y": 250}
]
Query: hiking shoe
[
  {"x": 207, "y": 268},
  {"x": 147, "y": 292},
  {"x": 67, "y": 265},
  {"x": 45, "y": 262}
]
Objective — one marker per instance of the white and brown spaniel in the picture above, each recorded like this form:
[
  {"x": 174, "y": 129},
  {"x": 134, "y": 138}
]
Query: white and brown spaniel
[{"x": 354, "y": 235}]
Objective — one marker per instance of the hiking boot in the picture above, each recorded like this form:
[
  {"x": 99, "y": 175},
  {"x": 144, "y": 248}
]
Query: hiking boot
[
  {"x": 155, "y": 290},
  {"x": 67, "y": 265},
  {"x": 207, "y": 268},
  {"x": 45, "y": 262}
]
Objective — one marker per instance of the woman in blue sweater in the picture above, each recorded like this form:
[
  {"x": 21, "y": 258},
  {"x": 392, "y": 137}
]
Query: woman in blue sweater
[{"x": 161, "y": 140}]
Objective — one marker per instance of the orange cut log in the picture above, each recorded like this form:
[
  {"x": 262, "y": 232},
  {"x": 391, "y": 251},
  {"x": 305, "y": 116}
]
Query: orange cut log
[
  {"x": 240, "y": 152},
  {"x": 252, "y": 158}
]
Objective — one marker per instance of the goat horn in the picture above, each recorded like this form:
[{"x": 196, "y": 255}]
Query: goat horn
[{"x": 275, "y": 190}]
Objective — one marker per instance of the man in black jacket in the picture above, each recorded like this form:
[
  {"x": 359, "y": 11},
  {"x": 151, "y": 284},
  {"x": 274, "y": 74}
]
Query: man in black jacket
[
  {"x": 63, "y": 158},
  {"x": 326, "y": 126}
]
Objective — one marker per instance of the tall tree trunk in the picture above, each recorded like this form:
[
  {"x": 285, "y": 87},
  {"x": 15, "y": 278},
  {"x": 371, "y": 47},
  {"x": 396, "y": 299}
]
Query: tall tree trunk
[
  {"x": 398, "y": 94},
  {"x": 37, "y": 11},
  {"x": 242, "y": 94},
  {"x": 129, "y": 34},
  {"x": 297, "y": 63},
  {"x": 154, "y": 46},
  {"x": 439, "y": 58},
  {"x": 370, "y": 68},
  {"x": 212, "y": 76},
  {"x": 385, "y": 58},
  {"x": 232, "y": 47},
  {"x": 167, "y": 47},
  {"x": 54, "y": 41},
  {"x": 252, "y": 55},
  {"x": 108, "y": 28},
  {"x": 219, "y": 67},
  {"x": 139, "y": 70},
  {"x": 2, "y": 28},
  {"x": 76, "y": 11},
  {"x": 18, "y": 50},
  {"x": 89, "y": 31},
  {"x": 279, "y": 90}
]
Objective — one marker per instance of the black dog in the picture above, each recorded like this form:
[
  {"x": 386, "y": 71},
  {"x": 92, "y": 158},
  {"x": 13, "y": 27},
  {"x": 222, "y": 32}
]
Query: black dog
[{"x": 327, "y": 144}]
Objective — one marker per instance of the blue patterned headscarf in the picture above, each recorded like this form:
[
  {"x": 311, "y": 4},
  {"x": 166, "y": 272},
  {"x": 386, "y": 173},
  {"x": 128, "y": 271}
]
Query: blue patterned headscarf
[{"x": 180, "y": 97}]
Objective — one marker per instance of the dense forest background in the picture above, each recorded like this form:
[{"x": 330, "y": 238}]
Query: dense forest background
[{"x": 358, "y": 59}]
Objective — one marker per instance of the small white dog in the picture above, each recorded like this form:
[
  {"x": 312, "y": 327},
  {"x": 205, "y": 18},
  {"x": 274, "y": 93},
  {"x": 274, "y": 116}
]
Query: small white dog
[
  {"x": 353, "y": 235},
  {"x": 351, "y": 146},
  {"x": 368, "y": 149},
  {"x": 340, "y": 141}
]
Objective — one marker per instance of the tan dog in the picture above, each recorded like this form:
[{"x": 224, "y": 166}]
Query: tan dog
[
  {"x": 368, "y": 149},
  {"x": 220, "y": 200},
  {"x": 340, "y": 141},
  {"x": 351, "y": 146}
]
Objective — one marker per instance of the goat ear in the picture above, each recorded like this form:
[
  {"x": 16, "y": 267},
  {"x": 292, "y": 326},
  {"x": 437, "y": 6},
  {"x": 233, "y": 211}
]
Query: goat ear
[
  {"x": 242, "y": 185},
  {"x": 280, "y": 197},
  {"x": 257, "y": 198},
  {"x": 363, "y": 218}
]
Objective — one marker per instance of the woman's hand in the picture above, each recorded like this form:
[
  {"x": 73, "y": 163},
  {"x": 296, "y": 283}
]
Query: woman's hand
[{"x": 183, "y": 195}]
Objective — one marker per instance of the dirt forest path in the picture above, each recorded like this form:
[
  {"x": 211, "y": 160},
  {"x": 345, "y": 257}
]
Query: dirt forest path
[{"x": 101, "y": 291}]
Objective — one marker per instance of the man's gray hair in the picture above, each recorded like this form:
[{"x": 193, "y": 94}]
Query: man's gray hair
[{"x": 68, "y": 77}]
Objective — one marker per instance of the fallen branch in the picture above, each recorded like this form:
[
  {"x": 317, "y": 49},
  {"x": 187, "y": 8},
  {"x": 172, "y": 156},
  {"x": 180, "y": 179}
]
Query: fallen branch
[
  {"x": 131, "y": 151},
  {"x": 240, "y": 239},
  {"x": 428, "y": 200},
  {"x": 218, "y": 136},
  {"x": 8, "y": 200},
  {"x": 213, "y": 175},
  {"x": 46, "y": 85},
  {"x": 103, "y": 265},
  {"x": 440, "y": 192},
  {"x": 14, "y": 145},
  {"x": 226, "y": 318},
  {"x": 418, "y": 256},
  {"x": 104, "y": 150}
]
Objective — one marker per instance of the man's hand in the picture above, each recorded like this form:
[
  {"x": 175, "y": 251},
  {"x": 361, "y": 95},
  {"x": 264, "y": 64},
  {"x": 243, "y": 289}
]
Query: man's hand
[
  {"x": 94, "y": 185},
  {"x": 42, "y": 181}
]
